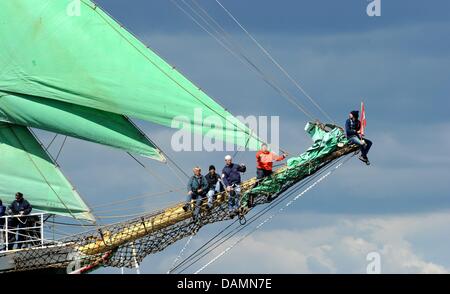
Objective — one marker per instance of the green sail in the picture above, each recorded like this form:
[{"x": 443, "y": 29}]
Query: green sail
[
  {"x": 27, "y": 168},
  {"x": 72, "y": 51},
  {"x": 76, "y": 121}
]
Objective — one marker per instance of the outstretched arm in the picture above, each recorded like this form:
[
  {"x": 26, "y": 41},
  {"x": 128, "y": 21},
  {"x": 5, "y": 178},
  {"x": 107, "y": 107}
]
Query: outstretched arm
[
  {"x": 242, "y": 168},
  {"x": 278, "y": 158}
]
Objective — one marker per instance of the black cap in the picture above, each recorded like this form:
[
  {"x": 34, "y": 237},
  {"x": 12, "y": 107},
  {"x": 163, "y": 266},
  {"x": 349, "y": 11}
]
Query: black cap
[
  {"x": 212, "y": 167},
  {"x": 355, "y": 113}
]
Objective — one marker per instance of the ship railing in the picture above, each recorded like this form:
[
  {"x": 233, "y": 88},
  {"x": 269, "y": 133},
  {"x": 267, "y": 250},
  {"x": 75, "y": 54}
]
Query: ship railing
[{"x": 21, "y": 231}]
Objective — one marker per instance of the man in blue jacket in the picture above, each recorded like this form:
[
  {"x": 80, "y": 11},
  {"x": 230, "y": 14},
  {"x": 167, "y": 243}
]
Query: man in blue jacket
[
  {"x": 353, "y": 130},
  {"x": 197, "y": 188},
  {"x": 231, "y": 177},
  {"x": 20, "y": 208}
]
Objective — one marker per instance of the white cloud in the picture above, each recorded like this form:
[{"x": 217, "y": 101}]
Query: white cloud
[{"x": 341, "y": 246}]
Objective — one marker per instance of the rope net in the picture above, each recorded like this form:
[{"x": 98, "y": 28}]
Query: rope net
[{"x": 127, "y": 243}]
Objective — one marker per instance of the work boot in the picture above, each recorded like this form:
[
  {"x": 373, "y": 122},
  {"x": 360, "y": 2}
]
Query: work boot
[
  {"x": 362, "y": 158},
  {"x": 186, "y": 207}
]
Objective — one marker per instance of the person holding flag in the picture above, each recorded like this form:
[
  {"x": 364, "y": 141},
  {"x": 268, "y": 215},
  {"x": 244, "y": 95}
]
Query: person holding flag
[{"x": 355, "y": 130}]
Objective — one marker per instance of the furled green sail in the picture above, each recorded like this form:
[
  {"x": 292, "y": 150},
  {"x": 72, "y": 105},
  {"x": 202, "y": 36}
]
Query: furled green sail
[
  {"x": 77, "y": 121},
  {"x": 27, "y": 168},
  {"x": 325, "y": 142},
  {"x": 72, "y": 51}
]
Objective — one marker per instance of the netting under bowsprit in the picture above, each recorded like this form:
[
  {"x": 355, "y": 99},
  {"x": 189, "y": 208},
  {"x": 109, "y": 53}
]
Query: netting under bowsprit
[{"x": 127, "y": 243}]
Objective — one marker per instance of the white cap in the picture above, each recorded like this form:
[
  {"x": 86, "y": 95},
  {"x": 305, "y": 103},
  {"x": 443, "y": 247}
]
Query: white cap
[{"x": 228, "y": 157}]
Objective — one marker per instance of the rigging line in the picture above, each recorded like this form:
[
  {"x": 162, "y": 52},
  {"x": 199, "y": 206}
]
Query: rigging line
[
  {"x": 256, "y": 216},
  {"x": 122, "y": 215},
  {"x": 42, "y": 175},
  {"x": 58, "y": 166},
  {"x": 137, "y": 197},
  {"x": 245, "y": 60},
  {"x": 201, "y": 252},
  {"x": 224, "y": 237},
  {"x": 145, "y": 135},
  {"x": 180, "y": 254},
  {"x": 61, "y": 148},
  {"x": 170, "y": 160},
  {"x": 184, "y": 261},
  {"x": 163, "y": 71},
  {"x": 273, "y": 215},
  {"x": 237, "y": 149},
  {"x": 69, "y": 224},
  {"x": 281, "y": 68},
  {"x": 59, "y": 232},
  {"x": 254, "y": 219},
  {"x": 140, "y": 207},
  {"x": 51, "y": 142},
  {"x": 205, "y": 21},
  {"x": 249, "y": 63},
  {"x": 137, "y": 207},
  {"x": 166, "y": 157},
  {"x": 150, "y": 172},
  {"x": 176, "y": 174}
]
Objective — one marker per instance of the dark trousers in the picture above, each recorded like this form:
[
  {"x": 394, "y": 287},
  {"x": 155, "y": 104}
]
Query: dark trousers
[
  {"x": 364, "y": 147},
  {"x": 198, "y": 201},
  {"x": 14, "y": 223},
  {"x": 262, "y": 173}
]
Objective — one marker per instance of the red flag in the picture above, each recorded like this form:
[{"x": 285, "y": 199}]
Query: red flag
[{"x": 363, "y": 119}]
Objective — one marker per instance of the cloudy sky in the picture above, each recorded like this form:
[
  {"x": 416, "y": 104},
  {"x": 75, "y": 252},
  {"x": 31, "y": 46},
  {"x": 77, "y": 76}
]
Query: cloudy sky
[{"x": 399, "y": 63}]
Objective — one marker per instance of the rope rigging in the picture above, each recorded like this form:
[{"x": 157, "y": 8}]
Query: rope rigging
[
  {"x": 276, "y": 63},
  {"x": 274, "y": 203},
  {"x": 165, "y": 73},
  {"x": 61, "y": 148},
  {"x": 181, "y": 253},
  {"x": 43, "y": 176},
  {"x": 240, "y": 55},
  {"x": 112, "y": 245},
  {"x": 129, "y": 199},
  {"x": 152, "y": 173},
  {"x": 205, "y": 250},
  {"x": 243, "y": 221},
  {"x": 272, "y": 216},
  {"x": 149, "y": 233},
  {"x": 51, "y": 142}
]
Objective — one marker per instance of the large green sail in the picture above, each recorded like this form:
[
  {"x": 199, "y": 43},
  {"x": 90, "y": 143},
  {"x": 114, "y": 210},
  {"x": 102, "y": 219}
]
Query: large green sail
[
  {"x": 72, "y": 51},
  {"x": 77, "y": 121},
  {"x": 27, "y": 168}
]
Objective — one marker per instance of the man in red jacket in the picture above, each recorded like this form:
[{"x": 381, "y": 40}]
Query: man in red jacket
[{"x": 264, "y": 159}]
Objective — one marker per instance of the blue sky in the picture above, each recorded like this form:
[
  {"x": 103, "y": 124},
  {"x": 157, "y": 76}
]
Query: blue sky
[{"x": 399, "y": 63}]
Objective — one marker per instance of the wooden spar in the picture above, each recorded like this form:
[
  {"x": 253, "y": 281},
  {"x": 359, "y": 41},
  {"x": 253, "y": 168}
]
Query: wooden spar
[{"x": 174, "y": 215}]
